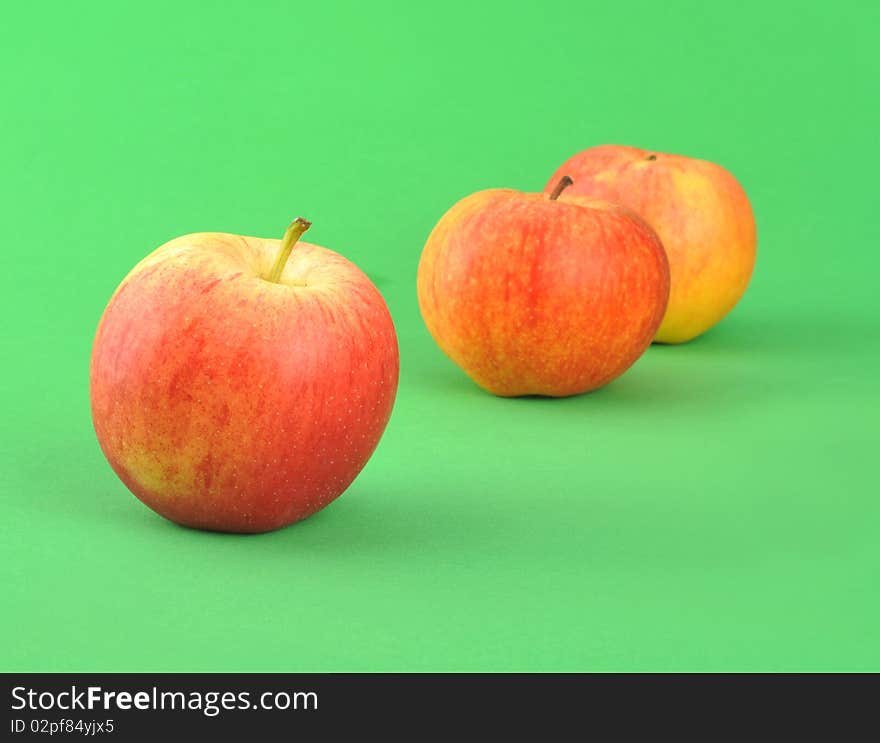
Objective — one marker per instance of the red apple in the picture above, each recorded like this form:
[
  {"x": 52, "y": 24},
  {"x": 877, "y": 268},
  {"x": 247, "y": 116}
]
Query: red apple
[
  {"x": 702, "y": 216},
  {"x": 235, "y": 390},
  {"x": 533, "y": 295}
]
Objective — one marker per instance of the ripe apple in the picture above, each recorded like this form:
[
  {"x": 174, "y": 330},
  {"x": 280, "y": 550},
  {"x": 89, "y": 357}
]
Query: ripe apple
[
  {"x": 240, "y": 385},
  {"x": 701, "y": 214},
  {"x": 534, "y": 295}
]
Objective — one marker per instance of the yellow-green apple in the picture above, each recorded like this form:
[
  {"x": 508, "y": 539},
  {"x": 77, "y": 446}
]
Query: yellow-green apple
[
  {"x": 701, "y": 214},
  {"x": 533, "y": 295},
  {"x": 239, "y": 384}
]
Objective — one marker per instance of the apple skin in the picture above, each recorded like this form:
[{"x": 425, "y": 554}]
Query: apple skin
[
  {"x": 230, "y": 403},
  {"x": 533, "y": 296},
  {"x": 701, "y": 214}
]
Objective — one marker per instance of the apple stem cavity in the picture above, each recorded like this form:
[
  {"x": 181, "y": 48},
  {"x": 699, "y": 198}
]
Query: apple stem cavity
[
  {"x": 297, "y": 227},
  {"x": 564, "y": 183}
]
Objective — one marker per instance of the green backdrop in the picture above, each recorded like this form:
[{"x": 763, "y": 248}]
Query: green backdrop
[{"x": 715, "y": 508}]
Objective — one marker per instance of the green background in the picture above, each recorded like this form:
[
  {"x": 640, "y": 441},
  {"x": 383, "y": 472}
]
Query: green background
[{"x": 716, "y": 508}]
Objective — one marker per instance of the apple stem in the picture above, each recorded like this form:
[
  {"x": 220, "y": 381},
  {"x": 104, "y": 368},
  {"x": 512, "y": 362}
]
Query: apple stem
[
  {"x": 293, "y": 233},
  {"x": 564, "y": 183}
]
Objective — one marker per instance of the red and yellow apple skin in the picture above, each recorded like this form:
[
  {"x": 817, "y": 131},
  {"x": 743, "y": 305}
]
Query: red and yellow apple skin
[
  {"x": 701, "y": 214},
  {"x": 228, "y": 402},
  {"x": 535, "y": 296}
]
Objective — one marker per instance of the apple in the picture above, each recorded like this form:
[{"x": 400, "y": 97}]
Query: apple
[
  {"x": 240, "y": 385},
  {"x": 534, "y": 295},
  {"x": 701, "y": 214}
]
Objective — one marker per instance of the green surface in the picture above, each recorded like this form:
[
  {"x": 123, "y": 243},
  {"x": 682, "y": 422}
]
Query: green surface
[{"x": 715, "y": 508}]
